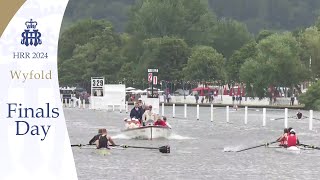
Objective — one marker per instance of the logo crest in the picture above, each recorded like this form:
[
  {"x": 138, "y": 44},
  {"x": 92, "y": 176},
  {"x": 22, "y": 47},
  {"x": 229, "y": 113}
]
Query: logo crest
[{"x": 31, "y": 35}]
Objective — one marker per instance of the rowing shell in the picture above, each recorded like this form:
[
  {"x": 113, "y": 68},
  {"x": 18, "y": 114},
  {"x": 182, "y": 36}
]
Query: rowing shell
[
  {"x": 103, "y": 151},
  {"x": 292, "y": 149}
]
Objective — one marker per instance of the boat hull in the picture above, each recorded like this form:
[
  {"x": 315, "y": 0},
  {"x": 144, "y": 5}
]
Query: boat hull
[
  {"x": 292, "y": 149},
  {"x": 148, "y": 132}
]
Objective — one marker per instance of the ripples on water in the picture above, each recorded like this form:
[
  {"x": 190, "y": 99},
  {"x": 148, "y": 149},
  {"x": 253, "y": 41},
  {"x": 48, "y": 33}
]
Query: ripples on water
[{"x": 199, "y": 149}]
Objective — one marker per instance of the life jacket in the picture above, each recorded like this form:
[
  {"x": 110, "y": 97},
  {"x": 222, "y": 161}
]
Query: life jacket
[
  {"x": 283, "y": 140},
  {"x": 292, "y": 140},
  {"x": 103, "y": 142}
]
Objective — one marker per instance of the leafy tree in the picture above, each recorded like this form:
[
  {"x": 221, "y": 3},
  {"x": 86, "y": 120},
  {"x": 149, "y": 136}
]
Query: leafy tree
[
  {"x": 235, "y": 62},
  {"x": 89, "y": 48},
  {"x": 230, "y": 35},
  {"x": 168, "y": 54},
  {"x": 277, "y": 64},
  {"x": 263, "y": 34},
  {"x": 205, "y": 63},
  {"x": 310, "y": 40},
  {"x": 311, "y": 99},
  {"x": 190, "y": 20}
]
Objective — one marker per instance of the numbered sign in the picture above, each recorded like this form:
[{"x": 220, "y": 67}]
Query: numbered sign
[
  {"x": 152, "y": 70},
  {"x": 149, "y": 77},
  {"x": 97, "y": 83},
  {"x": 97, "y": 86},
  {"x": 155, "y": 80}
]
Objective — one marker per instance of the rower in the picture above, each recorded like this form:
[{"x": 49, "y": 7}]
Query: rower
[
  {"x": 96, "y": 137},
  {"x": 283, "y": 138},
  {"x": 165, "y": 120},
  {"x": 104, "y": 140},
  {"x": 292, "y": 139},
  {"x": 299, "y": 114},
  {"x": 160, "y": 122}
]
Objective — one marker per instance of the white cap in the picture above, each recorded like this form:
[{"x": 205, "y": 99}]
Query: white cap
[
  {"x": 139, "y": 99},
  {"x": 292, "y": 130}
]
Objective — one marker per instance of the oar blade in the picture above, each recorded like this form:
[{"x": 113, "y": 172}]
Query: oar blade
[{"x": 164, "y": 149}]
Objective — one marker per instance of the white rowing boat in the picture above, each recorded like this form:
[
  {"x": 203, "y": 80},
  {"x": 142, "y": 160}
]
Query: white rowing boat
[
  {"x": 148, "y": 132},
  {"x": 292, "y": 149}
]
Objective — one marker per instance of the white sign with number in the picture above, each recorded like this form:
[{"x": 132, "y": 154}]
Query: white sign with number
[
  {"x": 97, "y": 83},
  {"x": 152, "y": 70}
]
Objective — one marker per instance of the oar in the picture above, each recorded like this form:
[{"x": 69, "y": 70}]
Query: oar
[
  {"x": 80, "y": 145},
  {"x": 162, "y": 149},
  {"x": 266, "y": 144},
  {"x": 310, "y": 146},
  {"x": 272, "y": 119}
]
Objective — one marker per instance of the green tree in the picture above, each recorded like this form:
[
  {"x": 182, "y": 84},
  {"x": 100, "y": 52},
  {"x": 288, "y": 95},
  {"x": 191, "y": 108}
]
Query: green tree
[
  {"x": 89, "y": 48},
  {"x": 168, "y": 54},
  {"x": 205, "y": 64},
  {"x": 264, "y": 34},
  {"x": 235, "y": 62},
  {"x": 311, "y": 99},
  {"x": 230, "y": 35},
  {"x": 190, "y": 20},
  {"x": 277, "y": 64},
  {"x": 310, "y": 41}
]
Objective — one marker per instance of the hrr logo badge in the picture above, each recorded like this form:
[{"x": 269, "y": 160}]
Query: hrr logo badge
[{"x": 31, "y": 35}]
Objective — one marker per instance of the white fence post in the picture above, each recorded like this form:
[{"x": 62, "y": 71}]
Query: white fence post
[
  {"x": 173, "y": 110},
  {"x": 127, "y": 106},
  {"x": 264, "y": 116},
  {"x": 211, "y": 109},
  {"x": 286, "y": 118},
  {"x": 246, "y": 115},
  {"x": 310, "y": 120},
  {"x": 227, "y": 115},
  {"x": 185, "y": 110},
  {"x": 198, "y": 112},
  {"x": 162, "y": 109}
]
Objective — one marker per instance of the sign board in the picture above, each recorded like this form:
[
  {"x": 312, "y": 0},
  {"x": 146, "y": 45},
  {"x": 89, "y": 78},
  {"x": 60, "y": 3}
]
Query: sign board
[
  {"x": 155, "y": 80},
  {"x": 149, "y": 77},
  {"x": 152, "y": 70},
  {"x": 97, "y": 86}
]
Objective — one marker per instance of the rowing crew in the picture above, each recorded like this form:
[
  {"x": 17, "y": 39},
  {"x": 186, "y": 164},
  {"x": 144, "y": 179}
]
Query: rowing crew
[
  {"x": 102, "y": 140},
  {"x": 288, "y": 138}
]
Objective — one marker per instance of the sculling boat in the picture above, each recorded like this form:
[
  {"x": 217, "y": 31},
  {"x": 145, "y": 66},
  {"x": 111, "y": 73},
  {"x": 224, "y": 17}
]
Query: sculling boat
[
  {"x": 292, "y": 149},
  {"x": 148, "y": 132}
]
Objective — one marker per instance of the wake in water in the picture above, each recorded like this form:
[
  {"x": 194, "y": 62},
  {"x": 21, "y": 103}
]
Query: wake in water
[
  {"x": 178, "y": 137},
  {"x": 232, "y": 148}
]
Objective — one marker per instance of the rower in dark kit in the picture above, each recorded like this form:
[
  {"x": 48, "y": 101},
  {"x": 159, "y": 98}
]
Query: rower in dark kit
[
  {"x": 299, "y": 114},
  {"x": 96, "y": 137},
  {"x": 104, "y": 140}
]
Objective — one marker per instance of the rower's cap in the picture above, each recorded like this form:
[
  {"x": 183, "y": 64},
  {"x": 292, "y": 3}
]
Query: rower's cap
[
  {"x": 139, "y": 99},
  {"x": 125, "y": 119},
  {"x": 292, "y": 131}
]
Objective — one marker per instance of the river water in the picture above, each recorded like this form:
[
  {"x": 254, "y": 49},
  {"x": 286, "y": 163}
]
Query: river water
[{"x": 198, "y": 147}]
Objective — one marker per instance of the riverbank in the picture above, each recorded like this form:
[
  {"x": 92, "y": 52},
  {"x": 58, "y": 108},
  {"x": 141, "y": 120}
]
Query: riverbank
[{"x": 230, "y": 105}]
